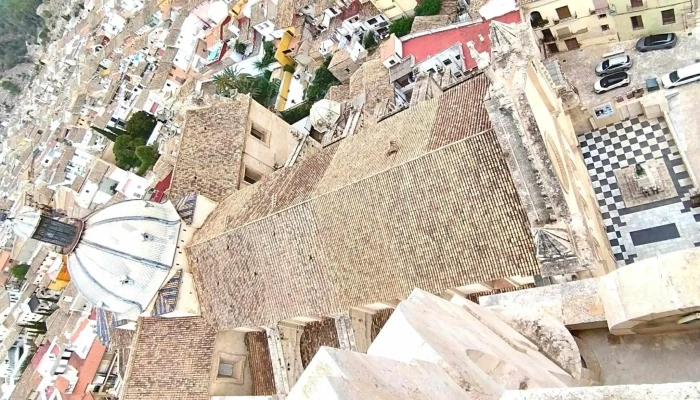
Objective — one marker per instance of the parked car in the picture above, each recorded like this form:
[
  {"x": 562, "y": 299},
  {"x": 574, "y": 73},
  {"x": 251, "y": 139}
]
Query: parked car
[
  {"x": 612, "y": 81},
  {"x": 684, "y": 75},
  {"x": 615, "y": 64},
  {"x": 657, "y": 42}
]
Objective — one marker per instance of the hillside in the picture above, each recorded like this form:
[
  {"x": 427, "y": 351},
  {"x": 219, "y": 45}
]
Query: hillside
[{"x": 19, "y": 25}]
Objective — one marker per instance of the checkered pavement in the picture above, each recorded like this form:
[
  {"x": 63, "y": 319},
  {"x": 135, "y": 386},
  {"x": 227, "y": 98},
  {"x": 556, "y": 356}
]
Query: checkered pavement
[{"x": 617, "y": 146}]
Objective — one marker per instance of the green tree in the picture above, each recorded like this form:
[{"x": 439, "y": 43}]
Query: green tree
[
  {"x": 11, "y": 87},
  {"x": 19, "y": 271},
  {"x": 109, "y": 135},
  {"x": 229, "y": 80},
  {"x": 147, "y": 155},
  {"x": 125, "y": 151},
  {"x": 297, "y": 113},
  {"x": 322, "y": 81},
  {"x": 261, "y": 88},
  {"x": 401, "y": 27},
  {"x": 428, "y": 7},
  {"x": 140, "y": 125},
  {"x": 369, "y": 41}
]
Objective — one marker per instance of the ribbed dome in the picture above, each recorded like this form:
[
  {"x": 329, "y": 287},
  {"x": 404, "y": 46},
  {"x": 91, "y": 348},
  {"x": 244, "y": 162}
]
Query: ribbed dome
[
  {"x": 124, "y": 254},
  {"x": 24, "y": 223}
]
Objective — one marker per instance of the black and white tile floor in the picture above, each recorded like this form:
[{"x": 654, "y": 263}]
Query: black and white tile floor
[{"x": 620, "y": 145}]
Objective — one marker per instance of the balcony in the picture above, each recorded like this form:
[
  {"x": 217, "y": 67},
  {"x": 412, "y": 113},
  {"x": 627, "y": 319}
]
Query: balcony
[
  {"x": 570, "y": 18},
  {"x": 635, "y": 6},
  {"x": 600, "y": 11},
  {"x": 539, "y": 23},
  {"x": 567, "y": 35}
]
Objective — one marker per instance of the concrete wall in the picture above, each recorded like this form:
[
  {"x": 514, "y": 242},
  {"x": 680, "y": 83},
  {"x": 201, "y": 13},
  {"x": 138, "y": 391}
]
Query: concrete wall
[
  {"x": 583, "y": 25},
  {"x": 654, "y": 295},
  {"x": 562, "y": 145},
  {"x": 262, "y": 157},
  {"x": 639, "y": 359},
  {"x": 651, "y": 17}
]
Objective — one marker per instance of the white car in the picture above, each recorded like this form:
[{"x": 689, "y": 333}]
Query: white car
[
  {"x": 688, "y": 74},
  {"x": 612, "y": 81}
]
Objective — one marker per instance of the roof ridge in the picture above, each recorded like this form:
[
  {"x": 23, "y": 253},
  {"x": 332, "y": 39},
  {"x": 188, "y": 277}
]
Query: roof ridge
[{"x": 430, "y": 152}]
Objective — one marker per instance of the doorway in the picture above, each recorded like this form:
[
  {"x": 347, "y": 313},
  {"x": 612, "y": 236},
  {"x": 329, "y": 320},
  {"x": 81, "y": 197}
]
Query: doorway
[
  {"x": 547, "y": 35},
  {"x": 572, "y": 44},
  {"x": 552, "y": 48}
]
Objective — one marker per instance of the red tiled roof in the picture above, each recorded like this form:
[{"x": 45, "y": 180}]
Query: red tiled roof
[
  {"x": 425, "y": 46},
  {"x": 88, "y": 369},
  {"x": 161, "y": 187}
]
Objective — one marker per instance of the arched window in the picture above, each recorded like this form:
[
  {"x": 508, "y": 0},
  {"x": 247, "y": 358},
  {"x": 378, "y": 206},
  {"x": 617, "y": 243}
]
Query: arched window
[{"x": 536, "y": 19}]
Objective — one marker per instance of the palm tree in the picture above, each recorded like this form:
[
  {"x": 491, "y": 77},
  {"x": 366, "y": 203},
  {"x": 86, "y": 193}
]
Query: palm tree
[
  {"x": 230, "y": 79},
  {"x": 260, "y": 65}
]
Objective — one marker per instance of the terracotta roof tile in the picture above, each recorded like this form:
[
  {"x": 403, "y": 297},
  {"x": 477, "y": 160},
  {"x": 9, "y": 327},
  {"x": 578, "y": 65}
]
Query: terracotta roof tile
[
  {"x": 211, "y": 150},
  {"x": 171, "y": 360},
  {"x": 260, "y": 364},
  {"x": 372, "y": 79},
  {"x": 425, "y": 23},
  {"x": 358, "y": 224},
  {"x": 315, "y": 335}
]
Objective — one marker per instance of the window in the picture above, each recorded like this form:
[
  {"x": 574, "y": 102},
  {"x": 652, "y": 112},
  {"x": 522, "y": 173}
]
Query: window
[
  {"x": 601, "y": 16},
  {"x": 636, "y": 3},
  {"x": 668, "y": 16},
  {"x": 447, "y": 62},
  {"x": 258, "y": 134},
  {"x": 637, "y": 22},
  {"x": 605, "y": 27},
  {"x": 392, "y": 62},
  {"x": 251, "y": 176},
  {"x": 563, "y": 12}
]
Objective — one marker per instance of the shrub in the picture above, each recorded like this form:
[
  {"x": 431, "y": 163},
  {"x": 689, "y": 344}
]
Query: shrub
[
  {"x": 401, "y": 27},
  {"x": 369, "y": 41},
  {"x": 428, "y": 7},
  {"x": 239, "y": 47},
  {"x": 11, "y": 87},
  {"x": 322, "y": 81},
  {"x": 297, "y": 113},
  {"x": 288, "y": 68},
  {"x": 19, "y": 271}
]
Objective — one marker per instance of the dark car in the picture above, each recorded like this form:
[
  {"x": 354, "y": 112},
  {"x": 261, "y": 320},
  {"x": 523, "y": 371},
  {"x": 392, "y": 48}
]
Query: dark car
[
  {"x": 657, "y": 42},
  {"x": 612, "y": 81}
]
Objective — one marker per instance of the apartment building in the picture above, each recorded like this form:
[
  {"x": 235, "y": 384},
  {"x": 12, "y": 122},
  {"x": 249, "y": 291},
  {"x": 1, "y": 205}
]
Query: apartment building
[
  {"x": 562, "y": 25},
  {"x": 638, "y": 18}
]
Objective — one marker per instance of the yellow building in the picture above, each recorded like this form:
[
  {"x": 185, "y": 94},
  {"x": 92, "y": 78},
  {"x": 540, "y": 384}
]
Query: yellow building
[
  {"x": 638, "y": 18},
  {"x": 563, "y": 25},
  {"x": 395, "y": 9},
  {"x": 63, "y": 277}
]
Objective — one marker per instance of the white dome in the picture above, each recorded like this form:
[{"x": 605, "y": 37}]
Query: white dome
[
  {"x": 324, "y": 114},
  {"x": 125, "y": 254}
]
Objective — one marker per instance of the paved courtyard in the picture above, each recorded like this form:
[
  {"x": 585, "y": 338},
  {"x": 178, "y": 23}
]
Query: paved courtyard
[
  {"x": 579, "y": 65},
  {"x": 641, "y": 227}
]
